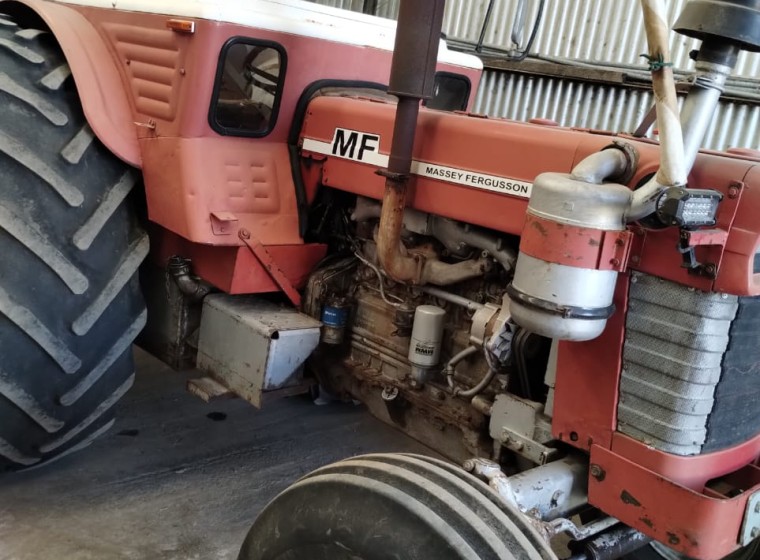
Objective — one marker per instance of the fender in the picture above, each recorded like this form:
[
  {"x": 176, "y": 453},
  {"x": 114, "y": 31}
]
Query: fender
[{"x": 99, "y": 83}]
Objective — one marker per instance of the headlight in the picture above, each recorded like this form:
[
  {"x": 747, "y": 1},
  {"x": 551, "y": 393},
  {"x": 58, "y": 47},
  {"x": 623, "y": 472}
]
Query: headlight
[{"x": 688, "y": 208}]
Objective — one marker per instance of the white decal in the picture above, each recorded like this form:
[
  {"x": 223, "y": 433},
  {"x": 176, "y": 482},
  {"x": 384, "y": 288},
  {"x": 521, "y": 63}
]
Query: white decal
[
  {"x": 472, "y": 179},
  {"x": 364, "y": 147}
]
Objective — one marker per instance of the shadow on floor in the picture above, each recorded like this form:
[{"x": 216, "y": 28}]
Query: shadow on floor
[{"x": 176, "y": 478}]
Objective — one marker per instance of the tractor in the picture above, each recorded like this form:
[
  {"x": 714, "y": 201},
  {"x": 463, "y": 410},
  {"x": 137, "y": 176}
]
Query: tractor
[{"x": 294, "y": 199}]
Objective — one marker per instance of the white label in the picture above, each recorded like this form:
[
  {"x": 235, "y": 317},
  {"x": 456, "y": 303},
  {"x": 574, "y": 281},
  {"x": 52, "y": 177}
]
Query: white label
[
  {"x": 364, "y": 147},
  {"x": 472, "y": 179}
]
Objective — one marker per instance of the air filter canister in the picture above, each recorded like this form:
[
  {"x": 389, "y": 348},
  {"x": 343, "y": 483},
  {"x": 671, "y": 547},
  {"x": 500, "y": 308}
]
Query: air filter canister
[{"x": 573, "y": 245}]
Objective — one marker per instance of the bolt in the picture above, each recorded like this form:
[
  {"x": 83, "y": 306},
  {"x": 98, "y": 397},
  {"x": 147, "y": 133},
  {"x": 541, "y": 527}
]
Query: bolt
[
  {"x": 438, "y": 394},
  {"x": 733, "y": 192},
  {"x": 615, "y": 262},
  {"x": 469, "y": 465},
  {"x": 182, "y": 72},
  {"x": 597, "y": 472},
  {"x": 245, "y": 234},
  {"x": 619, "y": 242}
]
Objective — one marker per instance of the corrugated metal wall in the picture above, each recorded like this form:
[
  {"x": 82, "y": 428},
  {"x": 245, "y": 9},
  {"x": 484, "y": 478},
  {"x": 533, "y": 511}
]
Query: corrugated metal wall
[
  {"x": 604, "y": 32},
  {"x": 588, "y": 105}
]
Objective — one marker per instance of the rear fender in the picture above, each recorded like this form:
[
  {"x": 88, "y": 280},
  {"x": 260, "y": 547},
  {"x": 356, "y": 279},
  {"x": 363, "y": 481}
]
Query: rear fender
[{"x": 99, "y": 83}]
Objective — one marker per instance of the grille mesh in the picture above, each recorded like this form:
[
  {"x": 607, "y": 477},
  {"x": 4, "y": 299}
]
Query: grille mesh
[{"x": 675, "y": 341}]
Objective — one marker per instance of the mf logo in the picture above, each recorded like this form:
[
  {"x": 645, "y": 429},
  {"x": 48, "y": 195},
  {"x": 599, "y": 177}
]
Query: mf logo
[{"x": 359, "y": 146}]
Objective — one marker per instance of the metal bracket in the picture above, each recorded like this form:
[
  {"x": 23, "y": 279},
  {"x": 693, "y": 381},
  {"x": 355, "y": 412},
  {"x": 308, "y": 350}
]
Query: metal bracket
[
  {"x": 266, "y": 259},
  {"x": 751, "y": 524},
  {"x": 514, "y": 423},
  {"x": 689, "y": 240},
  {"x": 616, "y": 249},
  {"x": 528, "y": 448},
  {"x": 222, "y": 222}
]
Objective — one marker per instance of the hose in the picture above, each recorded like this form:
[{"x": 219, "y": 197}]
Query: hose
[
  {"x": 672, "y": 171},
  {"x": 450, "y": 368},
  {"x": 485, "y": 382},
  {"x": 453, "y": 298}
]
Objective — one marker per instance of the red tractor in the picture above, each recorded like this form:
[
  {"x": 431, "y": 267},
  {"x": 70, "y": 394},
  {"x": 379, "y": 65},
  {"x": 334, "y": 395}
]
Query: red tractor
[{"x": 570, "y": 316}]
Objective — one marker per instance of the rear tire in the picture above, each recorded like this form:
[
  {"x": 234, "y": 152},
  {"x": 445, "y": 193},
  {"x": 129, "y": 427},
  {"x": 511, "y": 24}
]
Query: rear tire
[
  {"x": 70, "y": 304},
  {"x": 379, "y": 507}
]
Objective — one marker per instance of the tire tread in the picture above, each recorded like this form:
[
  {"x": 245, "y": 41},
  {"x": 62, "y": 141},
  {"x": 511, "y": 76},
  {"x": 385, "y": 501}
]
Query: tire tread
[{"x": 70, "y": 302}]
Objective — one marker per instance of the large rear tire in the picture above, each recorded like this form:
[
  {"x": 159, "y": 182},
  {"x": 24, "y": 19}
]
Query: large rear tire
[
  {"x": 70, "y": 304},
  {"x": 379, "y": 507}
]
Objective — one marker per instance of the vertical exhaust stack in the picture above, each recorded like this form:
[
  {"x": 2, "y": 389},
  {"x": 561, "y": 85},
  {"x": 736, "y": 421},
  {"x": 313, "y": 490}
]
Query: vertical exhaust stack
[
  {"x": 564, "y": 279},
  {"x": 412, "y": 79}
]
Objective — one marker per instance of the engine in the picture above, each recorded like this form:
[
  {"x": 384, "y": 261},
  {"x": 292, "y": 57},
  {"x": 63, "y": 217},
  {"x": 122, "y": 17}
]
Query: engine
[{"x": 433, "y": 359}]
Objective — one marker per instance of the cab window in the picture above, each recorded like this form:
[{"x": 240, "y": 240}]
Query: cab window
[
  {"x": 248, "y": 88},
  {"x": 451, "y": 92}
]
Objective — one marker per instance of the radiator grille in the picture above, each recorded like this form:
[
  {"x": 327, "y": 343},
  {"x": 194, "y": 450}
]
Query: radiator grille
[{"x": 672, "y": 363}]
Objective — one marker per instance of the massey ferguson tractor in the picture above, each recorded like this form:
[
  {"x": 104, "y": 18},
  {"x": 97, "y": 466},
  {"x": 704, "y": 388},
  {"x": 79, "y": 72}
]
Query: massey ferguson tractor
[{"x": 286, "y": 196}]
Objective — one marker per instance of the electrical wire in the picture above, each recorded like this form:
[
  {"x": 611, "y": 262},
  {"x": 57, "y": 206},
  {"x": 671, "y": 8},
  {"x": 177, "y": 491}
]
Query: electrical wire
[
  {"x": 379, "y": 274},
  {"x": 522, "y": 55}
]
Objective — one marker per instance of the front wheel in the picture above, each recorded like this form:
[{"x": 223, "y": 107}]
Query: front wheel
[{"x": 379, "y": 507}]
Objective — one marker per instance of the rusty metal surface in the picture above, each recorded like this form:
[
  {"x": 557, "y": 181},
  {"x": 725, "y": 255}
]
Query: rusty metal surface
[{"x": 700, "y": 525}]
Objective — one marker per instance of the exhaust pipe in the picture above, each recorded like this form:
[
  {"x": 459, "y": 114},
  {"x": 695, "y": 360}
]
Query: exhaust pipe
[{"x": 415, "y": 55}]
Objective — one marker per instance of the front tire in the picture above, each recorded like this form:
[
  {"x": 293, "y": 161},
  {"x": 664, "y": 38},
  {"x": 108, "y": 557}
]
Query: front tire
[
  {"x": 383, "y": 507},
  {"x": 70, "y": 303}
]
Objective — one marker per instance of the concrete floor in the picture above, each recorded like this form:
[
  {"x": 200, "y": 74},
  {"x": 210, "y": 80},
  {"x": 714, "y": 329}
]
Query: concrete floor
[{"x": 176, "y": 478}]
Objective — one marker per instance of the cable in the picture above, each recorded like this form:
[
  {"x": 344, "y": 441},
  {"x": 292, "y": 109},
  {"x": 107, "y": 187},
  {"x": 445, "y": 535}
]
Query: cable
[
  {"x": 486, "y": 21},
  {"x": 380, "y": 280},
  {"x": 522, "y": 55}
]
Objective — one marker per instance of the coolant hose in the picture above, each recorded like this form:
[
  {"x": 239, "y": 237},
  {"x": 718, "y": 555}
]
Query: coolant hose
[
  {"x": 672, "y": 171},
  {"x": 450, "y": 368},
  {"x": 482, "y": 384}
]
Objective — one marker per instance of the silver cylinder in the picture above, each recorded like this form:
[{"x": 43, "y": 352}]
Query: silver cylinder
[
  {"x": 551, "y": 294},
  {"x": 699, "y": 106},
  {"x": 427, "y": 334}
]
